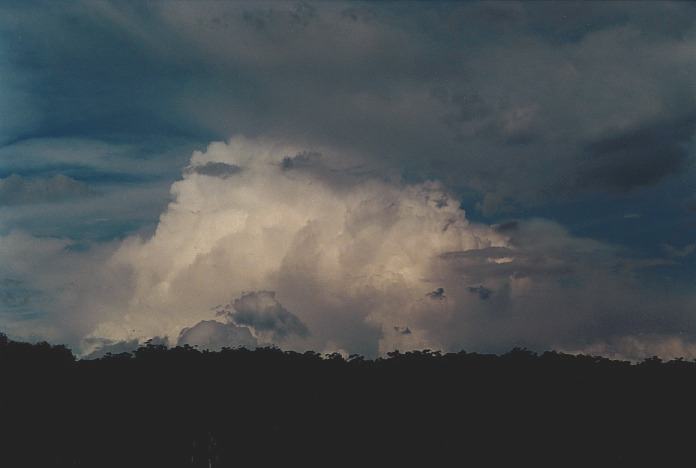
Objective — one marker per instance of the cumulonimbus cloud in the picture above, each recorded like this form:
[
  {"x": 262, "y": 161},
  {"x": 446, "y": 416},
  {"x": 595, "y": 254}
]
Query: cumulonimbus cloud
[
  {"x": 304, "y": 249},
  {"x": 337, "y": 259}
]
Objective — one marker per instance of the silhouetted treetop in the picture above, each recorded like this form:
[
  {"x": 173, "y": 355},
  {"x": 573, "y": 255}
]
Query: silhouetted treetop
[{"x": 186, "y": 407}]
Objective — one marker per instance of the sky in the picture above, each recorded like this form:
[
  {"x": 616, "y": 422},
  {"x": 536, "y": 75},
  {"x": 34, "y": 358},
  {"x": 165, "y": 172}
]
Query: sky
[{"x": 349, "y": 177}]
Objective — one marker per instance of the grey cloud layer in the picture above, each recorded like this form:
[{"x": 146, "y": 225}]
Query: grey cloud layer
[
  {"x": 513, "y": 100},
  {"x": 86, "y": 189},
  {"x": 313, "y": 259},
  {"x": 18, "y": 190},
  {"x": 640, "y": 156},
  {"x": 374, "y": 121}
]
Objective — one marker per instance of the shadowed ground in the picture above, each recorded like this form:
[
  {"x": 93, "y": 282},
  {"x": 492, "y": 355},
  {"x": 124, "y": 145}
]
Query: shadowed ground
[{"x": 182, "y": 407}]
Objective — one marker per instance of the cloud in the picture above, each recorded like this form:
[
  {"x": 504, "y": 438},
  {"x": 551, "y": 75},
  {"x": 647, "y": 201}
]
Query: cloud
[
  {"x": 14, "y": 294},
  {"x": 640, "y": 156},
  {"x": 261, "y": 311},
  {"x": 302, "y": 159},
  {"x": 493, "y": 203},
  {"x": 214, "y": 169},
  {"x": 213, "y": 335},
  {"x": 369, "y": 125},
  {"x": 321, "y": 258},
  {"x": 383, "y": 80},
  {"x": 87, "y": 189},
  {"x": 690, "y": 205},
  {"x": 354, "y": 256},
  {"x": 97, "y": 161},
  {"x": 350, "y": 255},
  {"x": 18, "y": 190},
  {"x": 673, "y": 251},
  {"x": 250, "y": 317},
  {"x": 638, "y": 348},
  {"x": 482, "y": 292},
  {"x": 53, "y": 291},
  {"x": 437, "y": 295},
  {"x": 104, "y": 347}
]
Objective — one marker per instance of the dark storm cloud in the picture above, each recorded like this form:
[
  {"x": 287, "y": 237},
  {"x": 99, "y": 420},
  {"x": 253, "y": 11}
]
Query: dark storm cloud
[
  {"x": 482, "y": 292},
  {"x": 15, "y": 293},
  {"x": 303, "y": 159},
  {"x": 105, "y": 189},
  {"x": 684, "y": 251},
  {"x": 261, "y": 311},
  {"x": 639, "y": 157},
  {"x": 690, "y": 205},
  {"x": 508, "y": 226},
  {"x": 495, "y": 98},
  {"x": 437, "y": 295},
  {"x": 19, "y": 190},
  {"x": 212, "y": 335},
  {"x": 538, "y": 249}
]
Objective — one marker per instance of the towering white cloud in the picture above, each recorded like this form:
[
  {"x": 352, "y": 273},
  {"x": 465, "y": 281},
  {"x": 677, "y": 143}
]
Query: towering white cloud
[
  {"x": 337, "y": 259},
  {"x": 306, "y": 248}
]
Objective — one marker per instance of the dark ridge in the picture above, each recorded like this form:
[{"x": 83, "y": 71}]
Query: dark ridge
[{"x": 181, "y": 407}]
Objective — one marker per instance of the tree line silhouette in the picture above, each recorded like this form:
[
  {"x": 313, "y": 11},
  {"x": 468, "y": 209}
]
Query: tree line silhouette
[{"x": 182, "y": 407}]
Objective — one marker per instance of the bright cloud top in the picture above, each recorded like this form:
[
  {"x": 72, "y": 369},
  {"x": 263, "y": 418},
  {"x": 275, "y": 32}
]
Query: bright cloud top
[
  {"x": 267, "y": 243},
  {"x": 339, "y": 260}
]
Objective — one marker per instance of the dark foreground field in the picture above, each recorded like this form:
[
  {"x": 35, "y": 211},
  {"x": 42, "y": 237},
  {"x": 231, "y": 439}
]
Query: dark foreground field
[{"x": 185, "y": 408}]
